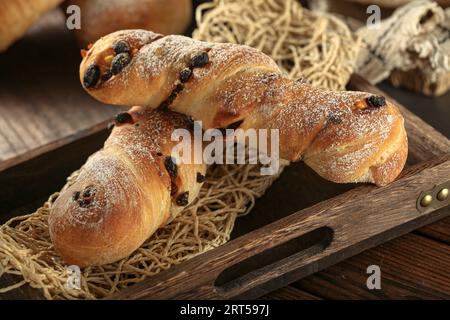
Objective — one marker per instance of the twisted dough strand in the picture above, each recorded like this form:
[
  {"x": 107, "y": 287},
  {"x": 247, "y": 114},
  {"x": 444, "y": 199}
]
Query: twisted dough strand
[
  {"x": 124, "y": 192},
  {"x": 343, "y": 136}
]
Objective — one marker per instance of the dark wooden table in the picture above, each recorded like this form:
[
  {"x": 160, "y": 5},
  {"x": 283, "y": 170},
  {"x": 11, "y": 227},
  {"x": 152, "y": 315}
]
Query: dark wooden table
[{"x": 50, "y": 105}]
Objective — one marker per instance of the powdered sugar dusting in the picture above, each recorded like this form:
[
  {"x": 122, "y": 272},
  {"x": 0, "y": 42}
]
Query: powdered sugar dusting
[
  {"x": 113, "y": 185},
  {"x": 170, "y": 52},
  {"x": 242, "y": 83},
  {"x": 115, "y": 171}
]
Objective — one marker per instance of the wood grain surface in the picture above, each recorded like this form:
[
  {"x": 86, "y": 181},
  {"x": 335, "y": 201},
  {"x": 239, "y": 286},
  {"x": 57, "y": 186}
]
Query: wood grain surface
[
  {"x": 412, "y": 267},
  {"x": 42, "y": 105},
  {"x": 41, "y": 99}
]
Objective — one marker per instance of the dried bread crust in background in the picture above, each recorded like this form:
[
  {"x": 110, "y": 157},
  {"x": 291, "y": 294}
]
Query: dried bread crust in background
[{"x": 412, "y": 47}]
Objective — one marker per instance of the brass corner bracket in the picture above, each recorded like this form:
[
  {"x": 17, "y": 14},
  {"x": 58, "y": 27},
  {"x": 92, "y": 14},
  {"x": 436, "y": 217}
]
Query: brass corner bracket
[{"x": 436, "y": 198}]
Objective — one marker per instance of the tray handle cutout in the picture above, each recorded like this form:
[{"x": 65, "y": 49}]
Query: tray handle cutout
[{"x": 244, "y": 272}]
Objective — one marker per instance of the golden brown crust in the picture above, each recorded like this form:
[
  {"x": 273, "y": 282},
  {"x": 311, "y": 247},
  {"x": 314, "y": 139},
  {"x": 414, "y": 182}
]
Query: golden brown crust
[
  {"x": 102, "y": 17},
  {"x": 123, "y": 193},
  {"x": 343, "y": 136},
  {"x": 17, "y": 16},
  {"x": 364, "y": 146}
]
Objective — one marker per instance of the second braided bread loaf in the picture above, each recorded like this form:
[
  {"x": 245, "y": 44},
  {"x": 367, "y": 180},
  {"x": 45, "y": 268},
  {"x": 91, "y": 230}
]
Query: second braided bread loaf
[{"x": 344, "y": 136}]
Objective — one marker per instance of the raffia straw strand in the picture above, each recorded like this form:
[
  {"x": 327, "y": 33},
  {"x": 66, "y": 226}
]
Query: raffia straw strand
[{"x": 316, "y": 46}]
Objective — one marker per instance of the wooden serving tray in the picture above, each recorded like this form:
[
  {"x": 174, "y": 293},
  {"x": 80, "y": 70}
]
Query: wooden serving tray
[{"x": 302, "y": 225}]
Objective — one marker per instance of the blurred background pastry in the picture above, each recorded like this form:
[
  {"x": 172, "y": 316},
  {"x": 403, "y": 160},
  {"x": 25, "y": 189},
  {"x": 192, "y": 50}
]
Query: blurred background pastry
[
  {"x": 100, "y": 17},
  {"x": 17, "y": 16}
]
